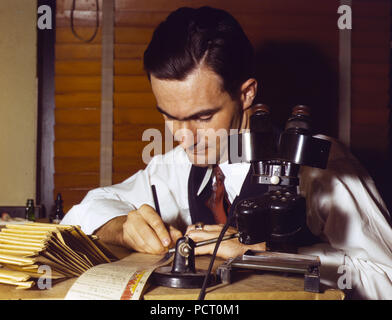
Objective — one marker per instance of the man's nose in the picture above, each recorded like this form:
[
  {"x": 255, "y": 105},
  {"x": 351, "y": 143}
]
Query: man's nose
[{"x": 184, "y": 133}]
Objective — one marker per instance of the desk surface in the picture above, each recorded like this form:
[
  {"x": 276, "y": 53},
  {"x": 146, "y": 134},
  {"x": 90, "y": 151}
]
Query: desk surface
[{"x": 248, "y": 285}]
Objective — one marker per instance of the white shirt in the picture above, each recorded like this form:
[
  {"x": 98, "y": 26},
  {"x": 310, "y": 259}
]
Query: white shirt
[{"x": 343, "y": 208}]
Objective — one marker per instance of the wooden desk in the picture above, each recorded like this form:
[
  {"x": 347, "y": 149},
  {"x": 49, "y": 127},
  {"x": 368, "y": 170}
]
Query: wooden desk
[{"x": 249, "y": 286}]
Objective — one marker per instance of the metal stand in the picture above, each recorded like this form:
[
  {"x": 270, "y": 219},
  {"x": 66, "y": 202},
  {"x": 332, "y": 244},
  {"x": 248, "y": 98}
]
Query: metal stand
[
  {"x": 183, "y": 273},
  {"x": 277, "y": 262}
]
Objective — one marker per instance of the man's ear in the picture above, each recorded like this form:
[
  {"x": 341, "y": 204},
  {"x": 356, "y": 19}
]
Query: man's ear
[{"x": 248, "y": 93}]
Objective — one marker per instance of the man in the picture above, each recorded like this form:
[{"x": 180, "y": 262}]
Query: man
[{"x": 200, "y": 65}]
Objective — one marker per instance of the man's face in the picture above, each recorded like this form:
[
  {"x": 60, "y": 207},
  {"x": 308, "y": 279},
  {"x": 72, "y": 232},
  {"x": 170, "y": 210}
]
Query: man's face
[{"x": 197, "y": 110}]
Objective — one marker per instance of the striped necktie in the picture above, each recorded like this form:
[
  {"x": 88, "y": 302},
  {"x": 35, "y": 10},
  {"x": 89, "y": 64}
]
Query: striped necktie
[{"x": 218, "y": 202}]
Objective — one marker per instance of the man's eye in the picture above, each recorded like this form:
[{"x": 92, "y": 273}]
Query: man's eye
[{"x": 205, "y": 118}]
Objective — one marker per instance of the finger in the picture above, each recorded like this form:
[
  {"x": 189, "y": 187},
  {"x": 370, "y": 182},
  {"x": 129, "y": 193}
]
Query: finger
[
  {"x": 206, "y": 227},
  {"x": 155, "y": 222},
  {"x": 134, "y": 240},
  {"x": 208, "y": 249},
  {"x": 211, "y": 227},
  {"x": 137, "y": 243},
  {"x": 229, "y": 248},
  {"x": 219, "y": 227},
  {"x": 174, "y": 234},
  {"x": 258, "y": 246},
  {"x": 189, "y": 228},
  {"x": 201, "y": 235},
  {"x": 143, "y": 234},
  {"x": 149, "y": 238}
]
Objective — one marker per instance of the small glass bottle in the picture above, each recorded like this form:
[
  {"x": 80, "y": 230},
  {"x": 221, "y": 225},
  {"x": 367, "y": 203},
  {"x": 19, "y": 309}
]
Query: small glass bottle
[
  {"x": 30, "y": 215},
  {"x": 58, "y": 213}
]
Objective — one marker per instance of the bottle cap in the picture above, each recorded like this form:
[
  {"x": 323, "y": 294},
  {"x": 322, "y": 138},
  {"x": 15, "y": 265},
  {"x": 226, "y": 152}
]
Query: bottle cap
[
  {"x": 301, "y": 110},
  {"x": 260, "y": 107}
]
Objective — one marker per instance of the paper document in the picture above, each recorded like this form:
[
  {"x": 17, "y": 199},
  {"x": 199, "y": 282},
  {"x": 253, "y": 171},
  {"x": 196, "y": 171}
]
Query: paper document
[{"x": 121, "y": 280}]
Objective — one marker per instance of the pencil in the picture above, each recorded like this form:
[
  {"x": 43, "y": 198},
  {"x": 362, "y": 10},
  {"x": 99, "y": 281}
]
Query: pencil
[{"x": 156, "y": 202}]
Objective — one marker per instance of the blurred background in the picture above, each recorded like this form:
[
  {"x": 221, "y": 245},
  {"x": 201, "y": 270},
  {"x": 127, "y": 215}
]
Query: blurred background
[{"x": 51, "y": 87}]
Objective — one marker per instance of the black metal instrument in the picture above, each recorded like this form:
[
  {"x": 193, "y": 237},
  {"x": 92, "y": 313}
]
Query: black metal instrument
[
  {"x": 279, "y": 215},
  {"x": 183, "y": 272}
]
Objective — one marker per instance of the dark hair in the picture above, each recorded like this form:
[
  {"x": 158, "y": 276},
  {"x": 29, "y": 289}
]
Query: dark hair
[{"x": 189, "y": 36}]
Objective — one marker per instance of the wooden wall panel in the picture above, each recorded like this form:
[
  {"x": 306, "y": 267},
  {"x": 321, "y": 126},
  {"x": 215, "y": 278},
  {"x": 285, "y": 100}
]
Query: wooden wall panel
[
  {"x": 66, "y": 51},
  {"x": 78, "y": 83},
  {"x": 370, "y": 70},
  {"x": 78, "y": 101},
  {"x": 64, "y": 34},
  {"x": 129, "y": 51},
  {"x": 371, "y": 38},
  {"x": 128, "y": 67},
  {"x": 84, "y": 180},
  {"x": 78, "y": 68},
  {"x": 82, "y": 165},
  {"x": 134, "y": 99},
  {"x": 75, "y": 131}
]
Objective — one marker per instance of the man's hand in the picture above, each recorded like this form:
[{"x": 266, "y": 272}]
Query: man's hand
[
  {"x": 142, "y": 230},
  {"x": 227, "y": 249},
  {"x": 145, "y": 231}
]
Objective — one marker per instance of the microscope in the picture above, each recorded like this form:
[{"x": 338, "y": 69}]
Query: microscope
[{"x": 276, "y": 217}]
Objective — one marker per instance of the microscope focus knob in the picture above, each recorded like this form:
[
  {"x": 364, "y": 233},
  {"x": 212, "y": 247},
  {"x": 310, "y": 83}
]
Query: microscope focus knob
[{"x": 275, "y": 180}]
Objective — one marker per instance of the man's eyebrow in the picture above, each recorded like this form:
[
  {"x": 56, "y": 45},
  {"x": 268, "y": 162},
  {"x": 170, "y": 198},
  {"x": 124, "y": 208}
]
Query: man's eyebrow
[{"x": 194, "y": 116}]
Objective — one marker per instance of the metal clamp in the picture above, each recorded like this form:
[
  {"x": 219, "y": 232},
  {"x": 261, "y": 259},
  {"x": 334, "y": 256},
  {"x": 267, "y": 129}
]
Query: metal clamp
[{"x": 276, "y": 262}]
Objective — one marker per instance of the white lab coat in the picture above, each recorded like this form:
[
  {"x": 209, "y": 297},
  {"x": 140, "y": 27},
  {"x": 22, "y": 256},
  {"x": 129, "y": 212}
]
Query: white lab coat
[{"x": 343, "y": 208}]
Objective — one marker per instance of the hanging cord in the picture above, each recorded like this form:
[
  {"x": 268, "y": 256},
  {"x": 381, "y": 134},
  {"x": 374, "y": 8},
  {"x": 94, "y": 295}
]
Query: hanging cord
[
  {"x": 222, "y": 233},
  {"x": 96, "y": 25}
]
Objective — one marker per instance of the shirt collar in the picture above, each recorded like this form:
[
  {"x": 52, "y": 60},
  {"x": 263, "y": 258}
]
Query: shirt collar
[{"x": 235, "y": 174}]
